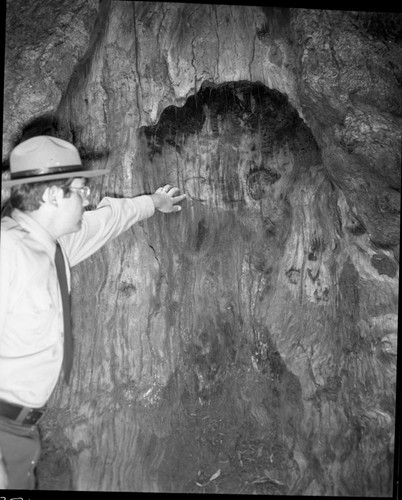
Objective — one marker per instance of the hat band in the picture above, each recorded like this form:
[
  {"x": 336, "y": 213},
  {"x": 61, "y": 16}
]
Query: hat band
[{"x": 45, "y": 171}]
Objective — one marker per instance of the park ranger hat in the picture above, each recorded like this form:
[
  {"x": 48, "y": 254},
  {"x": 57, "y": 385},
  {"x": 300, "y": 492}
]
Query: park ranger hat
[{"x": 45, "y": 158}]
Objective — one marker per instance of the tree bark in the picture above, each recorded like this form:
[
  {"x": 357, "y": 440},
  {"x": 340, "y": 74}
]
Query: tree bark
[{"x": 248, "y": 343}]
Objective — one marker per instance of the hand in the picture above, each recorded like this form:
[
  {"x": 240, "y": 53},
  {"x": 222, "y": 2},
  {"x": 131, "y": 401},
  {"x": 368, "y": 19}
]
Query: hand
[
  {"x": 166, "y": 198},
  {"x": 3, "y": 476}
]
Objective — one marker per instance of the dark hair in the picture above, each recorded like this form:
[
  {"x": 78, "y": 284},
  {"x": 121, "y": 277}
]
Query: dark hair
[{"x": 28, "y": 197}]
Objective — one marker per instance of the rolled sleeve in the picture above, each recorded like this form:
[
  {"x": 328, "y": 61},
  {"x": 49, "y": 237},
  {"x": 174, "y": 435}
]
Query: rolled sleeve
[{"x": 112, "y": 217}]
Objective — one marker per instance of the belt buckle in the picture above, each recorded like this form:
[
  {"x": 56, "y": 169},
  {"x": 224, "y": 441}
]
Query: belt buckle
[{"x": 33, "y": 416}]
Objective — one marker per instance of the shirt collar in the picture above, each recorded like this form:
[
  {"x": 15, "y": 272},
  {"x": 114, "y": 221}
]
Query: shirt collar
[{"x": 37, "y": 231}]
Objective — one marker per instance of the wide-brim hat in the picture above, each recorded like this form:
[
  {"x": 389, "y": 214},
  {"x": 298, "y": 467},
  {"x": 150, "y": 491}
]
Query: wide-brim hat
[{"x": 46, "y": 158}]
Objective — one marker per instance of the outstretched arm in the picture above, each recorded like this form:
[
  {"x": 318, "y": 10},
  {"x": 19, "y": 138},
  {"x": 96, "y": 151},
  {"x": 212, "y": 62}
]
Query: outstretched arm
[{"x": 112, "y": 217}]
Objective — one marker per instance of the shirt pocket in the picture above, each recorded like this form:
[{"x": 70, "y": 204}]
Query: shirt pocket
[{"x": 36, "y": 316}]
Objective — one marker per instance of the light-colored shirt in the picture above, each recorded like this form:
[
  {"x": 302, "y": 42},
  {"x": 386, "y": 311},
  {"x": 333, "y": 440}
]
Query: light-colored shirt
[{"x": 31, "y": 314}]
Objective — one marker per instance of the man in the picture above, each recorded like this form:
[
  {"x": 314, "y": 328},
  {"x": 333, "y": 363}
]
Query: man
[{"x": 45, "y": 232}]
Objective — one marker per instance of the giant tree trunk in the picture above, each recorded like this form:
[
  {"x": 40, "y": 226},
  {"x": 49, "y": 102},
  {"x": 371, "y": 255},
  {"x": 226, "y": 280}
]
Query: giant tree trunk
[{"x": 248, "y": 343}]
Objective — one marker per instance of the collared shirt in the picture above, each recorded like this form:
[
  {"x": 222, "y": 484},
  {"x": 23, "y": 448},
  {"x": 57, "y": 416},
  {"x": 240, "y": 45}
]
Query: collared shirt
[{"x": 31, "y": 314}]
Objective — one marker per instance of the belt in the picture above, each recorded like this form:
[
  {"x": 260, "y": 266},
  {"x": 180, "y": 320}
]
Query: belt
[{"x": 21, "y": 414}]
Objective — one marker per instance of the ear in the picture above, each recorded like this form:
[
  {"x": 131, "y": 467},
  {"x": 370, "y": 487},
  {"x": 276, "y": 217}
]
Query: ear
[{"x": 52, "y": 195}]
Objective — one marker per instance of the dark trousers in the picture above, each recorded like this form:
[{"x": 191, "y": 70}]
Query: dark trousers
[{"x": 20, "y": 447}]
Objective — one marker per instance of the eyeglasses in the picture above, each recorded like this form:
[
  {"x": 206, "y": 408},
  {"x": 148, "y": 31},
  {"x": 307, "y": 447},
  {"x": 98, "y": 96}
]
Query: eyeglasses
[{"x": 84, "y": 191}]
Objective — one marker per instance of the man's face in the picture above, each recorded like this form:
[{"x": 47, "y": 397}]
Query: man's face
[{"x": 71, "y": 208}]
